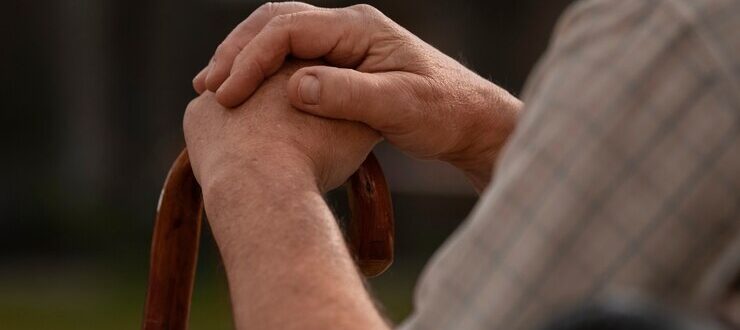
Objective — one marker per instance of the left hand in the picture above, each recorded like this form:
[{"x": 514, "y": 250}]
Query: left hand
[{"x": 267, "y": 139}]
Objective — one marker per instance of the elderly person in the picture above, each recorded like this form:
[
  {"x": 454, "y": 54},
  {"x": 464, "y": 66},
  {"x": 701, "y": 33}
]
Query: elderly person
[{"x": 618, "y": 171}]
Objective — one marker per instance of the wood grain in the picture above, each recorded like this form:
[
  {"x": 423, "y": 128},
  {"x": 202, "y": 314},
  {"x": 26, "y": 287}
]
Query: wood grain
[
  {"x": 174, "y": 249},
  {"x": 371, "y": 227}
]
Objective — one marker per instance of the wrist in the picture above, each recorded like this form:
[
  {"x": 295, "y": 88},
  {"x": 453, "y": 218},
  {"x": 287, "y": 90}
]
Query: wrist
[
  {"x": 255, "y": 181},
  {"x": 278, "y": 238},
  {"x": 491, "y": 125},
  {"x": 251, "y": 204}
]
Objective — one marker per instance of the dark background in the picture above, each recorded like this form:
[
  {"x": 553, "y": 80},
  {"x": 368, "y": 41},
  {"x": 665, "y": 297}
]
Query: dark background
[{"x": 92, "y": 98}]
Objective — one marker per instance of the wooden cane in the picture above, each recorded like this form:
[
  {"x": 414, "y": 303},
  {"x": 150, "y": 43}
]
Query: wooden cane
[{"x": 176, "y": 237}]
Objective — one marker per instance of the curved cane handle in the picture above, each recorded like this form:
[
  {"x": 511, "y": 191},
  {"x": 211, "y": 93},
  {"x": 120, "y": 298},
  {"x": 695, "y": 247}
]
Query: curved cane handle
[
  {"x": 371, "y": 227},
  {"x": 174, "y": 249},
  {"x": 177, "y": 234}
]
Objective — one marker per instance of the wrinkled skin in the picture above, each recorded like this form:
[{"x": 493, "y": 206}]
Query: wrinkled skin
[
  {"x": 422, "y": 101},
  {"x": 266, "y": 133}
]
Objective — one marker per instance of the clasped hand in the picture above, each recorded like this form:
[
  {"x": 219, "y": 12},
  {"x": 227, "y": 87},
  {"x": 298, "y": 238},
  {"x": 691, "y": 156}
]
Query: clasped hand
[
  {"x": 377, "y": 80},
  {"x": 265, "y": 138}
]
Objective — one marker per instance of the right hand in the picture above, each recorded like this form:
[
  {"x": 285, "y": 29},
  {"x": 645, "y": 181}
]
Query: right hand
[{"x": 421, "y": 100}]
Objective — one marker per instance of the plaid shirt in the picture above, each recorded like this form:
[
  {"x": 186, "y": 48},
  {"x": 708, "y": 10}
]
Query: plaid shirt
[{"x": 623, "y": 174}]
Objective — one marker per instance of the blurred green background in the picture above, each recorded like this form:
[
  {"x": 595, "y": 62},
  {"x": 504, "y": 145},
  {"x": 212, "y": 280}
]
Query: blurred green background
[{"x": 93, "y": 93}]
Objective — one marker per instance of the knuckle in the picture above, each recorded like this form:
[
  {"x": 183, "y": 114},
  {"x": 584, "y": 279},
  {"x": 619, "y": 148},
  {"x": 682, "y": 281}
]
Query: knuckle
[
  {"x": 346, "y": 100},
  {"x": 227, "y": 50},
  {"x": 221, "y": 49},
  {"x": 243, "y": 63},
  {"x": 283, "y": 20},
  {"x": 187, "y": 118},
  {"x": 191, "y": 108},
  {"x": 192, "y": 105},
  {"x": 197, "y": 103},
  {"x": 365, "y": 9},
  {"x": 355, "y": 92},
  {"x": 248, "y": 68},
  {"x": 239, "y": 58},
  {"x": 272, "y": 9},
  {"x": 267, "y": 8},
  {"x": 367, "y": 15},
  {"x": 196, "y": 109}
]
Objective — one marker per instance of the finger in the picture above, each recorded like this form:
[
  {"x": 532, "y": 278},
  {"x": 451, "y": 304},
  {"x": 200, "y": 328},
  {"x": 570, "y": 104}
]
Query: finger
[
  {"x": 340, "y": 36},
  {"x": 376, "y": 99},
  {"x": 199, "y": 82},
  {"x": 220, "y": 66},
  {"x": 243, "y": 34}
]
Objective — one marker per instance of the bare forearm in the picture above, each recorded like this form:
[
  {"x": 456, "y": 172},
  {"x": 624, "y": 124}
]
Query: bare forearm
[{"x": 285, "y": 257}]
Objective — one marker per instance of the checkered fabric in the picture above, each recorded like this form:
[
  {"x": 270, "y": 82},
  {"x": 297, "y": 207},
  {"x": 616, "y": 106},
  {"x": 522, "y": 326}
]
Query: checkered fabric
[{"x": 623, "y": 174}]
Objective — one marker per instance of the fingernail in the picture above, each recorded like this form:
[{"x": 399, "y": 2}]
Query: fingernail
[{"x": 309, "y": 89}]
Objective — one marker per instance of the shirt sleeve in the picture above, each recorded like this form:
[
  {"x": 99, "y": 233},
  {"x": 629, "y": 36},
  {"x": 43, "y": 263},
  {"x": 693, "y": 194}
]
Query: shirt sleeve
[{"x": 622, "y": 175}]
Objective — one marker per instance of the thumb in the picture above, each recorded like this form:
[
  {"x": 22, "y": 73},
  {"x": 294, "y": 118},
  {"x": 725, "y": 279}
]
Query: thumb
[{"x": 371, "y": 98}]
